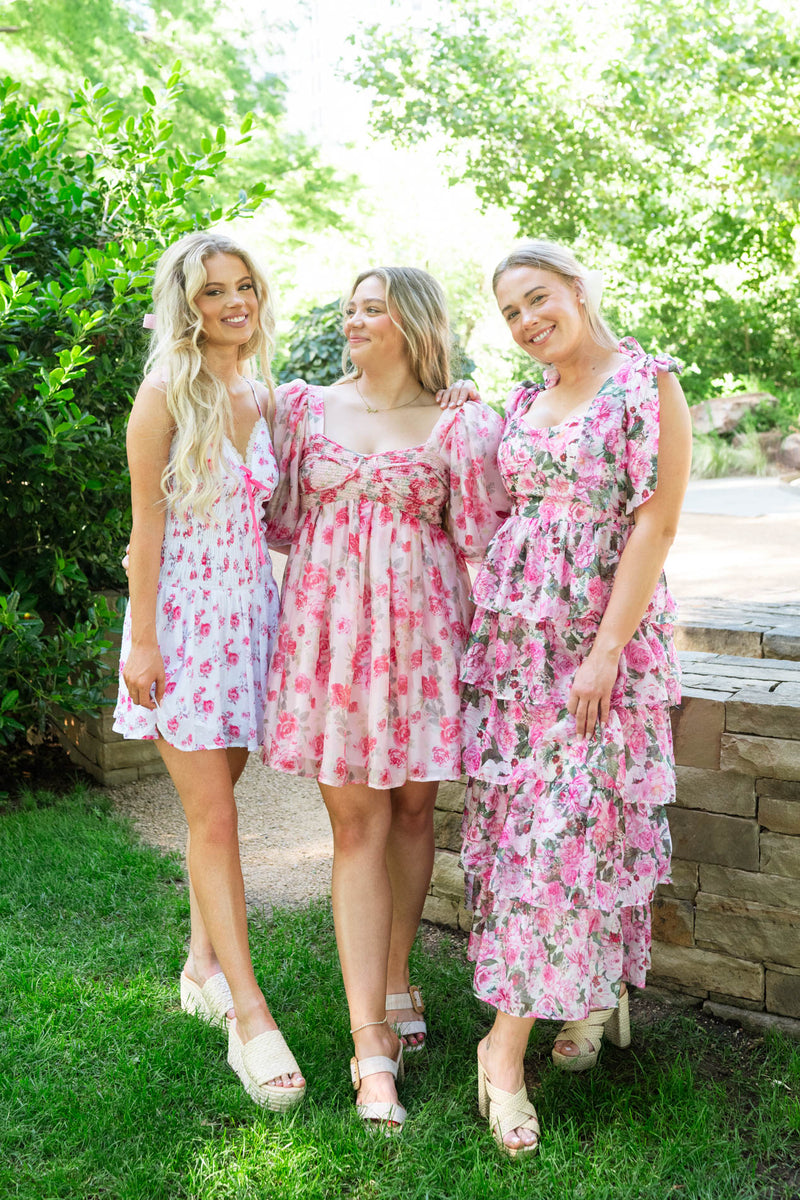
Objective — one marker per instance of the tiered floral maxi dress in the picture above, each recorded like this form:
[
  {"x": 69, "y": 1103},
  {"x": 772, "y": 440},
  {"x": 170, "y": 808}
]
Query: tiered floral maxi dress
[
  {"x": 216, "y": 614},
  {"x": 566, "y": 839},
  {"x": 375, "y": 609}
]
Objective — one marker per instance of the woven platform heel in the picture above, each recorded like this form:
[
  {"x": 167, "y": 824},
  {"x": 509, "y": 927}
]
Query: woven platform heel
[{"x": 587, "y": 1035}]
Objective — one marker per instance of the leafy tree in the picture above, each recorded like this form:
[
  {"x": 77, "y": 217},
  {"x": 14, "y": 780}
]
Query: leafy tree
[
  {"x": 665, "y": 147},
  {"x": 127, "y": 44},
  {"x": 79, "y": 235}
]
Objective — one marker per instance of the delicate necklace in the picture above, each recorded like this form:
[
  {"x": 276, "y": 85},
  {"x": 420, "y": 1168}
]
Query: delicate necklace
[{"x": 370, "y": 409}]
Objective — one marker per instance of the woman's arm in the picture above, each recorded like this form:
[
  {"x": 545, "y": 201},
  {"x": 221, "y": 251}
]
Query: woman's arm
[
  {"x": 148, "y": 443},
  {"x": 641, "y": 561}
]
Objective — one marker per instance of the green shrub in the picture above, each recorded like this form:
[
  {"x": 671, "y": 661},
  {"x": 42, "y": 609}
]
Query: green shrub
[
  {"x": 313, "y": 349},
  {"x": 89, "y": 198}
]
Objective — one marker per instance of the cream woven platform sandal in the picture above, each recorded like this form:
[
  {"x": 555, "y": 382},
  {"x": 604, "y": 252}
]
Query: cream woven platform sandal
[
  {"x": 212, "y": 1002},
  {"x": 588, "y": 1036},
  {"x": 506, "y": 1111},
  {"x": 410, "y": 999},
  {"x": 263, "y": 1058},
  {"x": 390, "y": 1116}
]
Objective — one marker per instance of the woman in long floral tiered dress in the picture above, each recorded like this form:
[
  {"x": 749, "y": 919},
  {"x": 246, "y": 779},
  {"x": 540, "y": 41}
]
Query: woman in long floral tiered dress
[
  {"x": 383, "y": 498},
  {"x": 568, "y": 680}
]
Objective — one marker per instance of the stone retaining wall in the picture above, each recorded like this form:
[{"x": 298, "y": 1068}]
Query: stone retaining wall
[
  {"x": 726, "y": 931},
  {"x": 91, "y": 743},
  {"x": 752, "y": 630}
]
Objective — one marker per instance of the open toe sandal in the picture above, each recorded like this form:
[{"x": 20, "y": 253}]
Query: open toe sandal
[
  {"x": 588, "y": 1036},
  {"x": 410, "y": 999},
  {"x": 212, "y": 1002},
  {"x": 258, "y": 1061},
  {"x": 506, "y": 1111},
  {"x": 384, "y": 1114}
]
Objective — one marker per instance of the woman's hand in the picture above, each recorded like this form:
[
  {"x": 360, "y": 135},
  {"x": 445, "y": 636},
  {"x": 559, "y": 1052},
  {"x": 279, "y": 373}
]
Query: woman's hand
[
  {"x": 126, "y": 559},
  {"x": 590, "y": 695},
  {"x": 144, "y": 668},
  {"x": 457, "y": 394}
]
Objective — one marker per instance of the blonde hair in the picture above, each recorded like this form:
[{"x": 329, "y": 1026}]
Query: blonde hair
[
  {"x": 420, "y": 306},
  {"x": 559, "y": 260},
  {"x": 197, "y": 400}
]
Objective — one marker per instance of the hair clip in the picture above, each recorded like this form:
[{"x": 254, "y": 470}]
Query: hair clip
[{"x": 149, "y": 321}]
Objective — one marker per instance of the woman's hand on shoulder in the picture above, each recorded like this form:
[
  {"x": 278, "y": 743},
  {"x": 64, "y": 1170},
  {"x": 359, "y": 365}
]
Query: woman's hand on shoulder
[{"x": 457, "y": 394}]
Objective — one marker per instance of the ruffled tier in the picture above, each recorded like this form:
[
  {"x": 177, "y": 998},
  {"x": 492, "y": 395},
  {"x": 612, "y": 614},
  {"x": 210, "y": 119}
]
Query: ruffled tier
[
  {"x": 216, "y": 646},
  {"x": 558, "y": 567},
  {"x": 578, "y": 823},
  {"x": 364, "y": 685},
  {"x": 533, "y": 665},
  {"x": 558, "y": 966}
]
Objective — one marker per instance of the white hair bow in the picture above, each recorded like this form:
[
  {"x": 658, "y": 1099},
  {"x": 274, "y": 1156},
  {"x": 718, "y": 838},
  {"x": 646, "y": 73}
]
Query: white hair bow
[{"x": 593, "y": 286}]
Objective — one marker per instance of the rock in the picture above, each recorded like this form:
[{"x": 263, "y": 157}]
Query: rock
[
  {"x": 723, "y": 413},
  {"x": 790, "y": 452}
]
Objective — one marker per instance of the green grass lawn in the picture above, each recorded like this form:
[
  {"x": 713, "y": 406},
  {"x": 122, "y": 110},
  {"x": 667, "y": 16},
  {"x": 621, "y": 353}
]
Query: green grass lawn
[{"x": 108, "y": 1090}]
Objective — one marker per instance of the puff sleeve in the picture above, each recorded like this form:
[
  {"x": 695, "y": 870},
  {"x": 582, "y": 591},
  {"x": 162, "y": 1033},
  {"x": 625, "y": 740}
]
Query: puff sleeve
[
  {"x": 283, "y": 511},
  {"x": 478, "y": 502},
  {"x": 642, "y": 424}
]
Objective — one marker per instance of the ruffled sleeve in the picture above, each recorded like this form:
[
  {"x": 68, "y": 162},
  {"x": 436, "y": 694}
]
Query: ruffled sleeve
[
  {"x": 641, "y": 422},
  {"x": 478, "y": 502},
  {"x": 283, "y": 513},
  {"x": 519, "y": 396}
]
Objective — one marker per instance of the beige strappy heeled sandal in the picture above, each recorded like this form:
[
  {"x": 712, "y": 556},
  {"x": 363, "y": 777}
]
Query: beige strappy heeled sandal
[
  {"x": 506, "y": 1111},
  {"x": 410, "y": 999},
  {"x": 588, "y": 1036},
  {"x": 384, "y": 1113}
]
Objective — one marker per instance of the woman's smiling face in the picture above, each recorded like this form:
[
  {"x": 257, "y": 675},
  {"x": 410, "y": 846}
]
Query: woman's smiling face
[
  {"x": 228, "y": 302},
  {"x": 543, "y": 310}
]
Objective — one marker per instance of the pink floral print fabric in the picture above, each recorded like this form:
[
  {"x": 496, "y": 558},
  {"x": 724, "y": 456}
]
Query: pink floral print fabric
[
  {"x": 566, "y": 839},
  {"x": 216, "y": 615},
  {"x": 375, "y": 612}
]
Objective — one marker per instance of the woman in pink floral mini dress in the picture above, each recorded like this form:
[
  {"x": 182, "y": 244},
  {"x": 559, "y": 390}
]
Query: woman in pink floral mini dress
[
  {"x": 384, "y": 499},
  {"x": 204, "y": 608},
  {"x": 568, "y": 679}
]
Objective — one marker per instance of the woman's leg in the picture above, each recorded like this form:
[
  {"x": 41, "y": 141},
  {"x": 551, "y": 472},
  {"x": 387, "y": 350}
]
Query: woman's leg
[
  {"x": 202, "y": 961},
  {"x": 204, "y": 783},
  {"x": 501, "y": 1054},
  {"x": 362, "y": 913},
  {"x": 409, "y": 859}
]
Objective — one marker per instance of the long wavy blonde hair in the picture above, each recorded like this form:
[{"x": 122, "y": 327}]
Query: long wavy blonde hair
[
  {"x": 416, "y": 304},
  {"x": 550, "y": 256},
  {"x": 197, "y": 400}
]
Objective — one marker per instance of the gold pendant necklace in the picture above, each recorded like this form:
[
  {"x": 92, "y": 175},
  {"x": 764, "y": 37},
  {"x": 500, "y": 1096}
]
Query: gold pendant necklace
[{"x": 372, "y": 410}]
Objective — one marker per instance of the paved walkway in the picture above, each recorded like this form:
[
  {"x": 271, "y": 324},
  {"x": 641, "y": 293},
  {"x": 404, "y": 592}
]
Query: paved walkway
[{"x": 738, "y": 539}]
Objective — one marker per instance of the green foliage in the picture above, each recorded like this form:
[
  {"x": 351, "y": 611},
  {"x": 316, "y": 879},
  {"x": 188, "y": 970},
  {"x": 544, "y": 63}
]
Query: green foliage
[
  {"x": 128, "y": 44},
  {"x": 659, "y": 139},
  {"x": 80, "y": 231},
  {"x": 314, "y": 346}
]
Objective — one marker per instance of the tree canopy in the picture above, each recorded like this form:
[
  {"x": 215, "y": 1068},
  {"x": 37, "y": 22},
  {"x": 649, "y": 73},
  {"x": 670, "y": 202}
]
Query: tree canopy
[{"x": 662, "y": 136}]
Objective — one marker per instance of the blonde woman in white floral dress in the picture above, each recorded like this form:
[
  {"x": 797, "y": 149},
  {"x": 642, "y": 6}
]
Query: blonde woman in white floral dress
[
  {"x": 204, "y": 608},
  {"x": 384, "y": 499},
  {"x": 568, "y": 679}
]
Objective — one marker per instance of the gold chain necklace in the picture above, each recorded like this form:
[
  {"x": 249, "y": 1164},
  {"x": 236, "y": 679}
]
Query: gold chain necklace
[{"x": 371, "y": 410}]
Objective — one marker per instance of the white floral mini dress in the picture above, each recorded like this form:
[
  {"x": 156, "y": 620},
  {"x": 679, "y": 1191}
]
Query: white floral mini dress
[{"x": 216, "y": 614}]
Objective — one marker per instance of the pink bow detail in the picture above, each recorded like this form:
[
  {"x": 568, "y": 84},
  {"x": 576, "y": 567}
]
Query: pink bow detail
[{"x": 252, "y": 484}]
